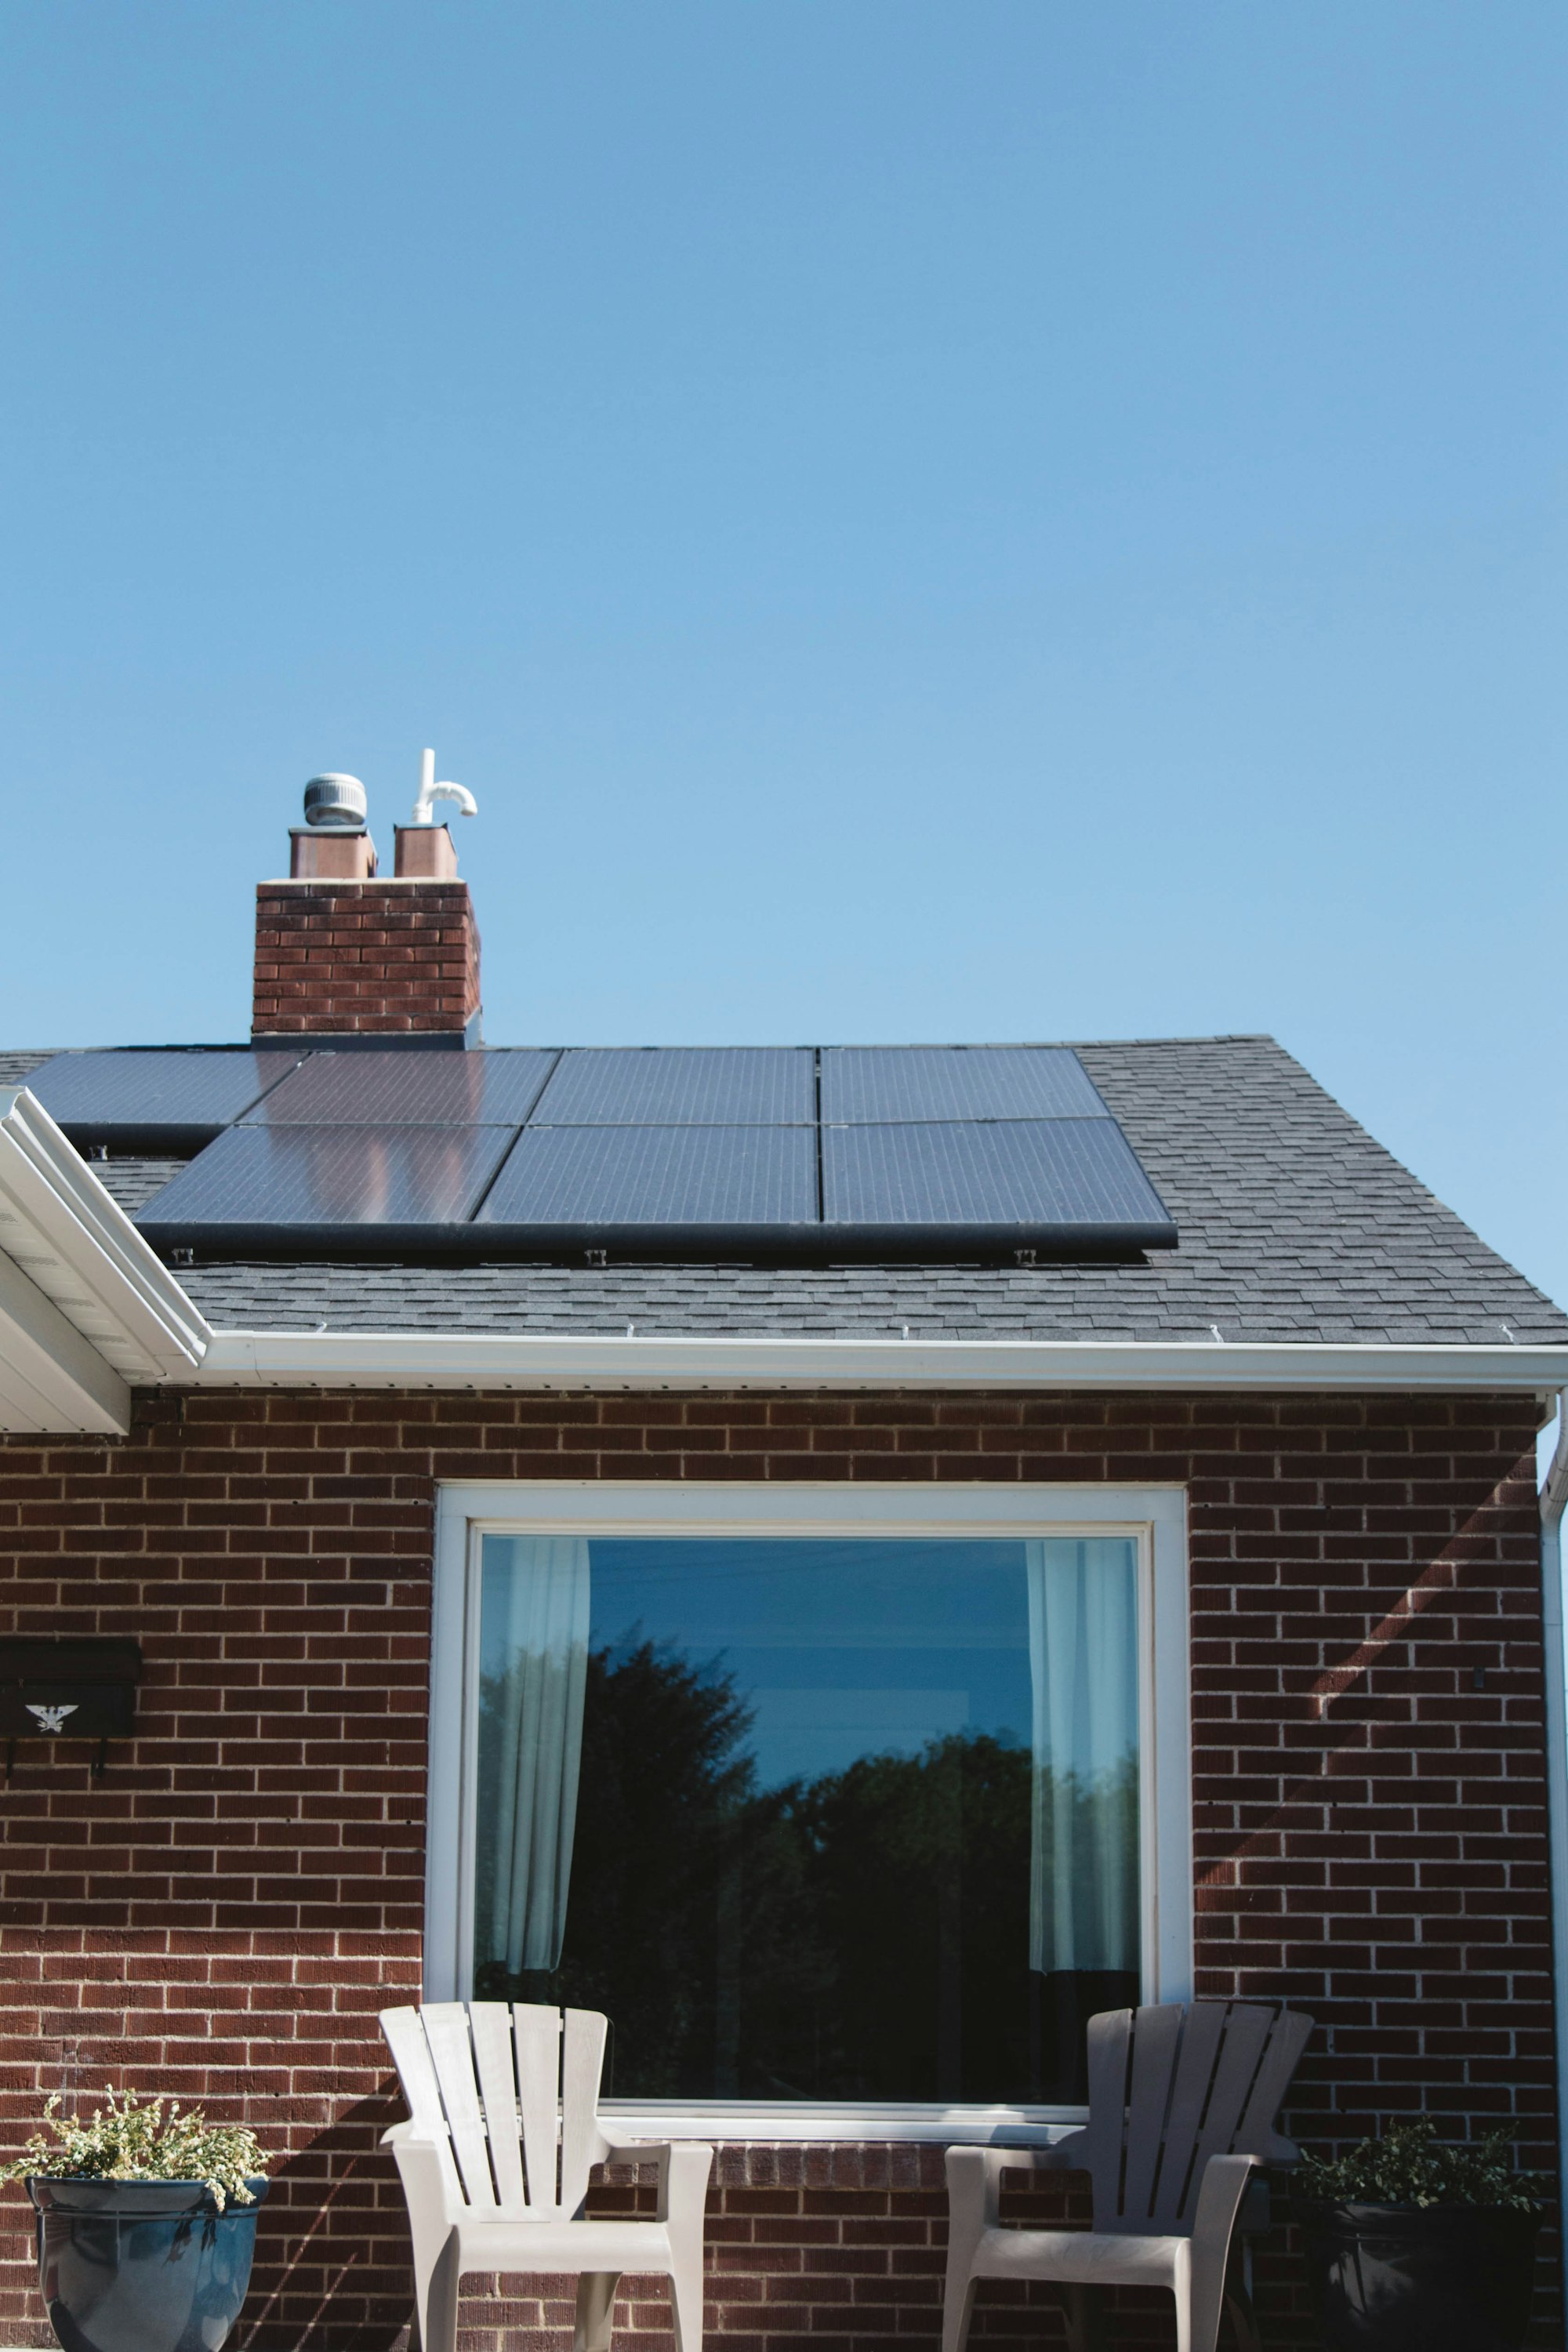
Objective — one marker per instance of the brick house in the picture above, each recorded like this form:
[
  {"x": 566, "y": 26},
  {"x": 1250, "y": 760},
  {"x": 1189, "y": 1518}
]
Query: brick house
[{"x": 686, "y": 1630}]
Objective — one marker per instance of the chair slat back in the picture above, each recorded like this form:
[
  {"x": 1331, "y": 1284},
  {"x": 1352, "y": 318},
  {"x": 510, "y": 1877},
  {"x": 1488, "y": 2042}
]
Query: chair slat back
[
  {"x": 1156, "y": 2048},
  {"x": 1260, "y": 2131},
  {"x": 514, "y": 2091},
  {"x": 490, "y": 2021},
  {"x": 538, "y": 2032},
  {"x": 582, "y": 2070},
  {"x": 1168, "y": 2088},
  {"x": 411, "y": 2056},
  {"x": 451, "y": 2053}
]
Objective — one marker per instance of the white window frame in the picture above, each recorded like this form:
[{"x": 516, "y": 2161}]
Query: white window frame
[{"x": 1155, "y": 1518}]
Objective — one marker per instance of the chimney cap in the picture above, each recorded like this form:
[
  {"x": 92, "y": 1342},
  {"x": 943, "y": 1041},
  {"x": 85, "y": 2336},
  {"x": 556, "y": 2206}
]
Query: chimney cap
[{"x": 335, "y": 801}]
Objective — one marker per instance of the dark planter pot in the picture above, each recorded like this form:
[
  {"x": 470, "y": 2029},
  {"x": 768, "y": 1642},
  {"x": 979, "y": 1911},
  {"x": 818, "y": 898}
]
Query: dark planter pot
[
  {"x": 142, "y": 2266},
  {"x": 1433, "y": 2278}
]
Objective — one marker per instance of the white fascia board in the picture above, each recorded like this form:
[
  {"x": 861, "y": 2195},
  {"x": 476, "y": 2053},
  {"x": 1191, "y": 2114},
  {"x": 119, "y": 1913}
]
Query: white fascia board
[
  {"x": 501, "y": 1360},
  {"x": 75, "y": 1243},
  {"x": 1553, "y": 1502},
  {"x": 1554, "y": 1488}
]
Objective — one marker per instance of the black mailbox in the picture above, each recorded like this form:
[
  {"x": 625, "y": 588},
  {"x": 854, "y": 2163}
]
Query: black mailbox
[{"x": 67, "y": 1689}]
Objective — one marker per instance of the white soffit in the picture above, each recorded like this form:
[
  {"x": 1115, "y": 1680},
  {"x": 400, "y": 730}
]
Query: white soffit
[
  {"x": 524, "y": 1360},
  {"x": 87, "y": 1310}
]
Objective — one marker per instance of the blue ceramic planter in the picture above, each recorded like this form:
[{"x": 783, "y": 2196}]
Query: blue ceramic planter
[{"x": 142, "y": 2266}]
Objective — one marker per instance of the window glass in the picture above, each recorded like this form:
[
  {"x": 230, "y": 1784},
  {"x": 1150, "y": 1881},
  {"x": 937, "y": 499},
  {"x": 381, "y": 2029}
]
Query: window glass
[{"x": 813, "y": 1818}]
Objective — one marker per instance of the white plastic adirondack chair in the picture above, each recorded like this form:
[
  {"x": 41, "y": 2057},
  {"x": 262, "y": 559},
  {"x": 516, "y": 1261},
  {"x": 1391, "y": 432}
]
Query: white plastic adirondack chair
[
  {"x": 503, "y": 2127},
  {"x": 1182, "y": 2105}
]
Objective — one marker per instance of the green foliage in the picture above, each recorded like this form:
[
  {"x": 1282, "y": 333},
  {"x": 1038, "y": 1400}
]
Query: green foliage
[
  {"x": 1411, "y": 2166},
  {"x": 132, "y": 2142}
]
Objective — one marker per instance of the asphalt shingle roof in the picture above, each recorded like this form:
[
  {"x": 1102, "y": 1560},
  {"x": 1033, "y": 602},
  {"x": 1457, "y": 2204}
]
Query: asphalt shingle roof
[
  {"x": 1294, "y": 1224},
  {"x": 133, "y": 1182}
]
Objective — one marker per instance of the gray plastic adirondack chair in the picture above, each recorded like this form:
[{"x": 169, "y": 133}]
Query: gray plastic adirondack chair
[
  {"x": 1182, "y": 2105},
  {"x": 503, "y": 2126}
]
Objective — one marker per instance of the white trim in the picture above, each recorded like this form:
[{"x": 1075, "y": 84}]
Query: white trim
[
  {"x": 447, "y": 1800},
  {"x": 1554, "y": 1500},
  {"x": 86, "y": 1307},
  {"x": 817, "y": 2122},
  {"x": 1155, "y": 1516},
  {"x": 501, "y": 1360}
]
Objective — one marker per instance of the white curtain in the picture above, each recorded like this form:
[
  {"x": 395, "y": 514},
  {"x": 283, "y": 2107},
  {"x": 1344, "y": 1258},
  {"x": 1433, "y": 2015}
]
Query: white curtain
[
  {"x": 1083, "y": 1667},
  {"x": 535, "y": 1630}
]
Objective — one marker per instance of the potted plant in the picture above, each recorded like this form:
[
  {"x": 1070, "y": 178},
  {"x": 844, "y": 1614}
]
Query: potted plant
[
  {"x": 1415, "y": 2246},
  {"x": 146, "y": 2227}
]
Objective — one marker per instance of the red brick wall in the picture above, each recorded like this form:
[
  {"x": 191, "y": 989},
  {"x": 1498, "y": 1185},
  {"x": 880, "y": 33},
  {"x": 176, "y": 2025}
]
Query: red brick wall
[
  {"x": 225, "y": 1911},
  {"x": 384, "y": 956}
]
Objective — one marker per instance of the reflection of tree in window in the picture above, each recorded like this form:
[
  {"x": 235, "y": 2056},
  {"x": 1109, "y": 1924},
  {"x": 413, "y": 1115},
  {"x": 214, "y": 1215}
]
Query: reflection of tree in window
[{"x": 864, "y": 1934}]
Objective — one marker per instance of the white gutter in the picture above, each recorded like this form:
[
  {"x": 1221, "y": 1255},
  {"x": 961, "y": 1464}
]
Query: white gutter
[
  {"x": 1553, "y": 1501},
  {"x": 87, "y": 1309},
  {"x": 556, "y": 1359}
]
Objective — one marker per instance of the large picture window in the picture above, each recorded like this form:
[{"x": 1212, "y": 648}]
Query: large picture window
[{"x": 821, "y": 1816}]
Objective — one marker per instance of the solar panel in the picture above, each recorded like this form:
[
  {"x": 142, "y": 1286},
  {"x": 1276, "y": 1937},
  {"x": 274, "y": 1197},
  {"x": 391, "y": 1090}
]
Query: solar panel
[
  {"x": 1049, "y": 1180},
  {"x": 934, "y": 1152},
  {"x": 354, "y": 1089},
  {"x": 679, "y": 1085},
  {"x": 256, "y": 1185},
  {"x": 579, "y": 1182},
  {"x": 874, "y": 1083},
  {"x": 156, "y": 1096}
]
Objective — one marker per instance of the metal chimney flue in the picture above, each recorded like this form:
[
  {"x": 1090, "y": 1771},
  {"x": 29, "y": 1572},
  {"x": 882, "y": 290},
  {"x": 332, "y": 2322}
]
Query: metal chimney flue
[
  {"x": 332, "y": 844},
  {"x": 335, "y": 801}
]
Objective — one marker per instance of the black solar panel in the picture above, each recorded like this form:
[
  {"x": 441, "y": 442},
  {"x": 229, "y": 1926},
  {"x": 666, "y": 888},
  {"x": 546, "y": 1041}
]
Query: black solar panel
[
  {"x": 863, "y": 1083},
  {"x": 1051, "y": 1179},
  {"x": 924, "y": 1152},
  {"x": 582, "y": 1179},
  {"x": 355, "y": 1089},
  {"x": 258, "y": 1181},
  {"x": 157, "y": 1097},
  {"x": 679, "y": 1086}
]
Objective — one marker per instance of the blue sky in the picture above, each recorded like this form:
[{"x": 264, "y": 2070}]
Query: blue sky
[{"x": 934, "y": 522}]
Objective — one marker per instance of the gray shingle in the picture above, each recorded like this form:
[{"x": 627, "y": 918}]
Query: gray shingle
[
  {"x": 133, "y": 1182},
  {"x": 18, "y": 1064}
]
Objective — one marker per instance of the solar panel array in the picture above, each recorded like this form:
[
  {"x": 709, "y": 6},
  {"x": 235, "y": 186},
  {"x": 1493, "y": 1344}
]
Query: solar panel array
[{"x": 938, "y": 1152}]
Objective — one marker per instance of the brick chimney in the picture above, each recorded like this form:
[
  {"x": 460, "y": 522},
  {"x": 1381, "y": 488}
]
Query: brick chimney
[{"x": 342, "y": 949}]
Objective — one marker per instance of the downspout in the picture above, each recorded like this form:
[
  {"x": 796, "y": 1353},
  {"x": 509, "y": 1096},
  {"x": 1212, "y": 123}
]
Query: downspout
[{"x": 1553, "y": 1501}]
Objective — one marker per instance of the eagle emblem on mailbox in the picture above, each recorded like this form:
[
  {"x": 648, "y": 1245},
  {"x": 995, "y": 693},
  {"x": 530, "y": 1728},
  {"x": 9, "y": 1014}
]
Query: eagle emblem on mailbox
[{"x": 51, "y": 1719}]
